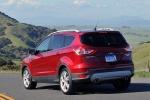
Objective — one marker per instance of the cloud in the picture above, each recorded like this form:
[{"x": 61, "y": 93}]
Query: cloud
[
  {"x": 21, "y": 2},
  {"x": 10, "y": 2},
  {"x": 29, "y": 2},
  {"x": 79, "y": 2},
  {"x": 23, "y": 8},
  {"x": 101, "y": 6}
]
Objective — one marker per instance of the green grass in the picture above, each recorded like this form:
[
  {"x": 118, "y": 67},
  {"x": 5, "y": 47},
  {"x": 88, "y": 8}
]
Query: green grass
[
  {"x": 142, "y": 74},
  {"x": 17, "y": 62},
  {"x": 15, "y": 41},
  {"x": 10, "y": 71},
  {"x": 141, "y": 56}
]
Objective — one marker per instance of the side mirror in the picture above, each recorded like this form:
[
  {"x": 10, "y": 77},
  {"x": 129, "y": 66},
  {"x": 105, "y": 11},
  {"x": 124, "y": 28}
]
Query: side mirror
[
  {"x": 31, "y": 51},
  {"x": 36, "y": 52}
]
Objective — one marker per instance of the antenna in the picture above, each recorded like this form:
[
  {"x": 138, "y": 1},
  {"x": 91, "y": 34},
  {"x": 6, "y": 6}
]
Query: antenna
[{"x": 96, "y": 25}]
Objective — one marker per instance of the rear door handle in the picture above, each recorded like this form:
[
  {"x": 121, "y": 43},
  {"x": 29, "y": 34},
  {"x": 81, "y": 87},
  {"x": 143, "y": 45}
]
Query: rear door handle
[
  {"x": 57, "y": 53},
  {"x": 41, "y": 56}
]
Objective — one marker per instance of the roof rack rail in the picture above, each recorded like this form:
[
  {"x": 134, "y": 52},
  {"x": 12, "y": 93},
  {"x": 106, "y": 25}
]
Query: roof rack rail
[
  {"x": 68, "y": 30},
  {"x": 65, "y": 31},
  {"x": 109, "y": 29}
]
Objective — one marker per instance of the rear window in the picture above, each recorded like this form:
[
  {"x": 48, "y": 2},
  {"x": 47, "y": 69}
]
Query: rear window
[
  {"x": 57, "y": 42},
  {"x": 103, "y": 39},
  {"x": 68, "y": 40}
]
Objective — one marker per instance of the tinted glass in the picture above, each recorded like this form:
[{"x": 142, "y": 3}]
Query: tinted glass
[
  {"x": 44, "y": 46},
  {"x": 68, "y": 40},
  {"x": 103, "y": 39},
  {"x": 57, "y": 42}
]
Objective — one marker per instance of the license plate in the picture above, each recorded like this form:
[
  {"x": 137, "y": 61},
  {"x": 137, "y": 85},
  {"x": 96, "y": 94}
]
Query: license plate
[{"x": 110, "y": 58}]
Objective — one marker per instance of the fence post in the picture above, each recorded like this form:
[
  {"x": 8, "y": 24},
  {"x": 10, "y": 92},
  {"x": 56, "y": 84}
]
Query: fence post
[{"x": 148, "y": 66}]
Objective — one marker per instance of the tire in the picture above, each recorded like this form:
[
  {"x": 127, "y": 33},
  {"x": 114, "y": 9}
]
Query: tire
[
  {"x": 66, "y": 84},
  {"x": 122, "y": 84},
  {"x": 27, "y": 79}
]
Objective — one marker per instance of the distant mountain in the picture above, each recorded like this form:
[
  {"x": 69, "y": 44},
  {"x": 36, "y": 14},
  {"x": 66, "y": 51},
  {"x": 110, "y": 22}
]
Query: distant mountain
[
  {"x": 54, "y": 21},
  {"x": 131, "y": 21},
  {"x": 16, "y": 37}
]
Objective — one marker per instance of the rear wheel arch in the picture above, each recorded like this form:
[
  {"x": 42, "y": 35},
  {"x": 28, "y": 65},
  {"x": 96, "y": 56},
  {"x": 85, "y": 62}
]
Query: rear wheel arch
[
  {"x": 65, "y": 62},
  {"x": 62, "y": 66}
]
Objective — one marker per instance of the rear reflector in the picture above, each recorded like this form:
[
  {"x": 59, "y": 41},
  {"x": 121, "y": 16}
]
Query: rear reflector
[{"x": 82, "y": 75}]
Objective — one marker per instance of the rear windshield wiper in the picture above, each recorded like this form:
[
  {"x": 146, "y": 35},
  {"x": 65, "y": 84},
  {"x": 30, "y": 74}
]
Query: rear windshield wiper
[{"x": 113, "y": 44}]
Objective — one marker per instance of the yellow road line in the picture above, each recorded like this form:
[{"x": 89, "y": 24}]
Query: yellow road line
[
  {"x": 5, "y": 97},
  {"x": 1, "y": 98}
]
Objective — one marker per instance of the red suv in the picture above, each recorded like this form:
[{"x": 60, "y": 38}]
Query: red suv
[{"x": 71, "y": 58}]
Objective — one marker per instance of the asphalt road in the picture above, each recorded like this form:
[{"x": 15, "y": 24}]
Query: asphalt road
[{"x": 11, "y": 85}]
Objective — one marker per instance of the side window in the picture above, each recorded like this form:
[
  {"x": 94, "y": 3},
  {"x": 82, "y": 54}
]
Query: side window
[
  {"x": 44, "y": 46},
  {"x": 68, "y": 40},
  {"x": 57, "y": 42}
]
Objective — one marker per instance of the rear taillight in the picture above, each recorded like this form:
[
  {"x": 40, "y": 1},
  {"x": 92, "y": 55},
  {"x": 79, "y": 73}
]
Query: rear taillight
[
  {"x": 82, "y": 51},
  {"x": 128, "y": 48},
  {"x": 128, "y": 51}
]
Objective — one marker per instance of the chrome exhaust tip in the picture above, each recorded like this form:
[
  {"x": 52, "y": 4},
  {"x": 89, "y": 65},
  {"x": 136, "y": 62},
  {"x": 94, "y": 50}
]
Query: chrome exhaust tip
[
  {"x": 126, "y": 78},
  {"x": 96, "y": 80}
]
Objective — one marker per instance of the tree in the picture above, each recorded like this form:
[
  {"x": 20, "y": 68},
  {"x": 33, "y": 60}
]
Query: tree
[{"x": 2, "y": 62}]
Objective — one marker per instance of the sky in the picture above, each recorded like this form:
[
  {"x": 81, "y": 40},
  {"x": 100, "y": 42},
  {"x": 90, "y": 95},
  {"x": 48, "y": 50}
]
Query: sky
[{"x": 78, "y": 9}]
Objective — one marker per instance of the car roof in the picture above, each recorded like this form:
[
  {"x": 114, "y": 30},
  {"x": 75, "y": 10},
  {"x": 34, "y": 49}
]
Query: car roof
[{"x": 73, "y": 31}]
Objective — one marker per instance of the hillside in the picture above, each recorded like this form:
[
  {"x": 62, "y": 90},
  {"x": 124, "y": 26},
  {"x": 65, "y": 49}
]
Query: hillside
[
  {"x": 141, "y": 56},
  {"x": 16, "y": 38}
]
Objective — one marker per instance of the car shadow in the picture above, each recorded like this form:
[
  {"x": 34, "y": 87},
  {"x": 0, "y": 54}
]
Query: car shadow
[
  {"x": 49, "y": 87},
  {"x": 109, "y": 89},
  {"x": 103, "y": 89}
]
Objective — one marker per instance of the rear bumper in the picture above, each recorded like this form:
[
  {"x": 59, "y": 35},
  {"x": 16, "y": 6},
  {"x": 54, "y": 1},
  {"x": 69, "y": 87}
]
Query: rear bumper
[
  {"x": 110, "y": 76},
  {"x": 94, "y": 76}
]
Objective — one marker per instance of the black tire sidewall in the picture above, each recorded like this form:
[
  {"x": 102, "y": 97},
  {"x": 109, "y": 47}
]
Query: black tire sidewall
[
  {"x": 32, "y": 84},
  {"x": 71, "y": 89},
  {"x": 124, "y": 84}
]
